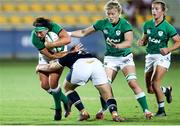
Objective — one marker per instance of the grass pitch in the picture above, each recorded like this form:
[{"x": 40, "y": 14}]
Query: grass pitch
[{"x": 23, "y": 102}]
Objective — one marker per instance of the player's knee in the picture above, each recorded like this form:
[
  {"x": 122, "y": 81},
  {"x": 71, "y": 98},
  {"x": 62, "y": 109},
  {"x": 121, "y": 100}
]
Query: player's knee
[{"x": 45, "y": 86}]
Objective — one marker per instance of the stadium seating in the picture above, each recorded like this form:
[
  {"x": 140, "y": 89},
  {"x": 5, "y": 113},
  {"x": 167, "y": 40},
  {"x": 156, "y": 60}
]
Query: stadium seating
[
  {"x": 3, "y": 20},
  {"x": 63, "y": 7},
  {"x": 8, "y": 7},
  {"x": 27, "y": 19},
  {"x": 23, "y": 7},
  {"x": 66, "y": 12},
  {"x": 35, "y": 7},
  {"x": 56, "y": 18},
  {"x": 15, "y": 20},
  {"x": 24, "y": 12}
]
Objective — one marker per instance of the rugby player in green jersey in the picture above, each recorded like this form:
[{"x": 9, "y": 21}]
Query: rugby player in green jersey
[
  {"x": 157, "y": 33},
  {"x": 49, "y": 80},
  {"x": 118, "y": 38}
]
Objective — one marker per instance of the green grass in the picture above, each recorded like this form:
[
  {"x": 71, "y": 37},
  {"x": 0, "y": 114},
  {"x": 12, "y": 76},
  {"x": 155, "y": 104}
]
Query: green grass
[{"x": 22, "y": 101}]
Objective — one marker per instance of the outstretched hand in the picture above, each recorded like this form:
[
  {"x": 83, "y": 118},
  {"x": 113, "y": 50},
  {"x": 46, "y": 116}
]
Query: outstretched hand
[{"x": 77, "y": 48}]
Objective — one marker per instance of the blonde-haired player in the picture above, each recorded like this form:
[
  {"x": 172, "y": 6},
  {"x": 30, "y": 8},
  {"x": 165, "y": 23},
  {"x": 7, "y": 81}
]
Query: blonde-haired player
[{"x": 118, "y": 38}]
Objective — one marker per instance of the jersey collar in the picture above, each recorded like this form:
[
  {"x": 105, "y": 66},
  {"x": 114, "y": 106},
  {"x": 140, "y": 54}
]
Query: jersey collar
[{"x": 159, "y": 23}]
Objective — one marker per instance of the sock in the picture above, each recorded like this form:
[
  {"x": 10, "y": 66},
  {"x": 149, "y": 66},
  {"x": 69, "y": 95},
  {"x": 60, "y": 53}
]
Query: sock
[
  {"x": 141, "y": 98},
  {"x": 163, "y": 89},
  {"x": 103, "y": 103},
  {"x": 56, "y": 93},
  {"x": 161, "y": 106},
  {"x": 112, "y": 105},
  {"x": 64, "y": 98},
  {"x": 75, "y": 99}
]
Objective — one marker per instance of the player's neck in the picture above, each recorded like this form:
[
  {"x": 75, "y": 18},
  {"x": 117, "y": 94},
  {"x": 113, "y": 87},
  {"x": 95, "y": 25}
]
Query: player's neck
[
  {"x": 114, "y": 24},
  {"x": 158, "y": 20}
]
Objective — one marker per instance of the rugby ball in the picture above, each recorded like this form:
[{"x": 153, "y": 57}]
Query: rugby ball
[{"x": 51, "y": 37}]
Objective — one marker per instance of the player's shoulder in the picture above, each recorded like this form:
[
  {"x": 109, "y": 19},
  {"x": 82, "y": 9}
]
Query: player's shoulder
[
  {"x": 33, "y": 34},
  {"x": 54, "y": 25},
  {"x": 123, "y": 21},
  {"x": 167, "y": 24},
  {"x": 149, "y": 22},
  {"x": 102, "y": 21}
]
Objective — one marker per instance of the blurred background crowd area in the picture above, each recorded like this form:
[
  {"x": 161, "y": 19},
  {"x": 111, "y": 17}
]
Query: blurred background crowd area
[
  {"x": 17, "y": 16},
  {"x": 72, "y": 13}
]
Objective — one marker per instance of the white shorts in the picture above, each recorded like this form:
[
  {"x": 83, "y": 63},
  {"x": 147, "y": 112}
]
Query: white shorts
[
  {"x": 152, "y": 60},
  {"x": 44, "y": 59},
  {"x": 85, "y": 69},
  {"x": 117, "y": 63}
]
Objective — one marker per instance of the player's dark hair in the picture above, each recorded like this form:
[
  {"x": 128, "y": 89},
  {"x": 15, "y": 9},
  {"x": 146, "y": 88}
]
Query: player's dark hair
[{"x": 42, "y": 22}]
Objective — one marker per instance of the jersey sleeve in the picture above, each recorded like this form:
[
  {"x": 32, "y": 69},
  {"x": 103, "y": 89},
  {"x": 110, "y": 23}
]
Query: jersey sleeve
[
  {"x": 56, "y": 28},
  {"x": 145, "y": 28},
  {"x": 36, "y": 41},
  {"x": 98, "y": 25},
  {"x": 127, "y": 26},
  {"x": 171, "y": 31}
]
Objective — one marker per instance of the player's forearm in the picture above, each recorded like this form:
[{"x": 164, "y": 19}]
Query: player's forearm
[
  {"x": 60, "y": 54},
  {"x": 176, "y": 44},
  {"x": 174, "y": 47},
  {"x": 78, "y": 33},
  {"x": 125, "y": 44},
  {"x": 61, "y": 42}
]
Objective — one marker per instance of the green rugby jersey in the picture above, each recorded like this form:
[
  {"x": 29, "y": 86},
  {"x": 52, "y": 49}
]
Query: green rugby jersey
[
  {"x": 158, "y": 36},
  {"x": 114, "y": 34},
  {"x": 38, "y": 43}
]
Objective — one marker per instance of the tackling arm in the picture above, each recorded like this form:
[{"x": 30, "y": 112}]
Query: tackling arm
[
  {"x": 57, "y": 55},
  {"x": 83, "y": 32}
]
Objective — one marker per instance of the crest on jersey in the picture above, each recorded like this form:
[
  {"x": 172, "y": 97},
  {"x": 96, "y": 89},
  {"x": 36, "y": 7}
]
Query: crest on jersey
[
  {"x": 118, "y": 32},
  {"x": 160, "y": 33},
  {"x": 105, "y": 31},
  {"x": 148, "y": 31}
]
